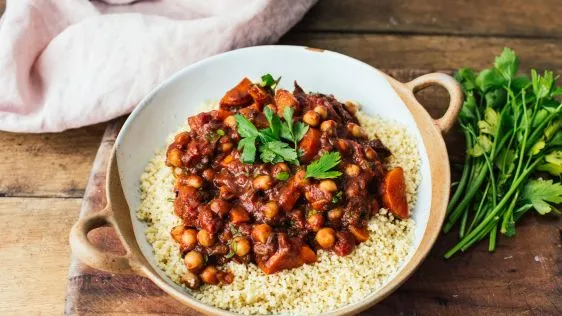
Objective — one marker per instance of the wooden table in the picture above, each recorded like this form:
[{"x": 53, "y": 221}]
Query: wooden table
[{"x": 43, "y": 176}]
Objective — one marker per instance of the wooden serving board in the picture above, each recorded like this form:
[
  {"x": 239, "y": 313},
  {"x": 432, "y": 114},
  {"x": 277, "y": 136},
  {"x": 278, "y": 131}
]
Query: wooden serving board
[{"x": 523, "y": 276}]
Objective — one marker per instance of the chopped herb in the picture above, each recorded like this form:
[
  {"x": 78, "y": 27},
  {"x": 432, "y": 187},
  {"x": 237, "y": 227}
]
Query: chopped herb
[
  {"x": 220, "y": 132},
  {"x": 282, "y": 176},
  {"x": 321, "y": 168},
  {"x": 269, "y": 144},
  {"x": 248, "y": 146},
  {"x": 232, "y": 250},
  {"x": 171, "y": 199},
  {"x": 277, "y": 151},
  {"x": 290, "y": 131},
  {"x": 206, "y": 258},
  {"x": 268, "y": 81},
  {"x": 337, "y": 197}
]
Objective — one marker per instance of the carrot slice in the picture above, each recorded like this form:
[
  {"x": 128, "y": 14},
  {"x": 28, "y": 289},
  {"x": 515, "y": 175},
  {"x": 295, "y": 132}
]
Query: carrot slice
[
  {"x": 284, "y": 98},
  {"x": 239, "y": 215},
  {"x": 237, "y": 96},
  {"x": 260, "y": 96},
  {"x": 361, "y": 234},
  {"x": 310, "y": 144},
  {"x": 394, "y": 193},
  {"x": 308, "y": 255}
]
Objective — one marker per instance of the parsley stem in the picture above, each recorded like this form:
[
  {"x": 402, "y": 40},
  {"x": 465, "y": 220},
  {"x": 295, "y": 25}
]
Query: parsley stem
[
  {"x": 478, "y": 230},
  {"x": 465, "y": 173}
]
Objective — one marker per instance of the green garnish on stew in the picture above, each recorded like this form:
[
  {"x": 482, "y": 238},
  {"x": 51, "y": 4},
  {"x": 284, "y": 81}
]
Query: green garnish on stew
[
  {"x": 269, "y": 140},
  {"x": 282, "y": 176},
  {"x": 321, "y": 168},
  {"x": 268, "y": 81}
]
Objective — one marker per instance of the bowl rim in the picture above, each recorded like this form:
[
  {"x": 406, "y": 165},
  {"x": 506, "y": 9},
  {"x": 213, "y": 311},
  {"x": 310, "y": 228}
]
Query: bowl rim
[{"x": 430, "y": 130}]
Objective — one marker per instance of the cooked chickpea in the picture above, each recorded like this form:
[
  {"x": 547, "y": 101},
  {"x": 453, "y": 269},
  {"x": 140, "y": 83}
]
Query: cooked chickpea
[
  {"x": 194, "y": 181},
  {"x": 328, "y": 186},
  {"x": 300, "y": 178},
  {"x": 205, "y": 238},
  {"x": 335, "y": 214},
  {"x": 352, "y": 170},
  {"x": 173, "y": 157},
  {"x": 326, "y": 237},
  {"x": 356, "y": 130},
  {"x": 226, "y": 147},
  {"x": 220, "y": 206},
  {"x": 261, "y": 232},
  {"x": 342, "y": 145},
  {"x": 190, "y": 280},
  {"x": 193, "y": 260},
  {"x": 242, "y": 246},
  {"x": 322, "y": 111},
  {"x": 280, "y": 167},
  {"x": 316, "y": 221},
  {"x": 328, "y": 127},
  {"x": 270, "y": 209},
  {"x": 311, "y": 118},
  {"x": 209, "y": 275},
  {"x": 225, "y": 194},
  {"x": 351, "y": 107},
  {"x": 177, "y": 232},
  {"x": 262, "y": 182},
  {"x": 230, "y": 121},
  {"x": 189, "y": 239},
  {"x": 208, "y": 174},
  {"x": 178, "y": 171},
  {"x": 371, "y": 154}
]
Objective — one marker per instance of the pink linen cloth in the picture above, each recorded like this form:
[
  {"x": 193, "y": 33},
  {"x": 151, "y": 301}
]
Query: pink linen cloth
[{"x": 70, "y": 63}]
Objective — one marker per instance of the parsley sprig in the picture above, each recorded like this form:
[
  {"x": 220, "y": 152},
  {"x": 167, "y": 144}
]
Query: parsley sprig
[
  {"x": 269, "y": 140},
  {"x": 321, "y": 168}
]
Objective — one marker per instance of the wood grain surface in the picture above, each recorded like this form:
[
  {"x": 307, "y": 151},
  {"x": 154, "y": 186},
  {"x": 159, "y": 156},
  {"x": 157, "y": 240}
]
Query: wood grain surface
[
  {"x": 43, "y": 177},
  {"x": 504, "y": 18}
]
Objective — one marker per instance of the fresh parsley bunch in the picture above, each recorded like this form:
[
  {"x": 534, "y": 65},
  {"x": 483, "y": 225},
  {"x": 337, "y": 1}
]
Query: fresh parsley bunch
[{"x": 512, "y": 127}]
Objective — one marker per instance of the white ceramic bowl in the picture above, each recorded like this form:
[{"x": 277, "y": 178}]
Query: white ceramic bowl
[{"x": 167, "y": 107}]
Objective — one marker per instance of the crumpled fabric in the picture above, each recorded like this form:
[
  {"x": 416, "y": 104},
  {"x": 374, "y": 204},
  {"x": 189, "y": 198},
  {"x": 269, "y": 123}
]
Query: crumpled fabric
[{"x": 71, "y": 63}]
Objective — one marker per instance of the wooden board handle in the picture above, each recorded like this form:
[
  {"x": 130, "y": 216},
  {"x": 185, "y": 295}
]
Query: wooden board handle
[
  {"x": 88, "y": 253},
  {"x": 455, "y": 93}
]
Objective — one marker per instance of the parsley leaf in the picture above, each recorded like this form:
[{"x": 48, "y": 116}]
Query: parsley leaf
[
  {"x": 245, "y": 127},
  {"x": 337, "y": 197},
  {"x": 539, "y": 192},
  {"x": 552, "y": 164},
  {"x": 220, "y": 132},
  {"x": 290, "y": 130},
  {"x": 248, "y": 146},
  {"x": 282, "y": 176},
  {"x": 268, "y": 81},
  {"x": 320, "y": 169},
  {"x": 507, "y": 63},
  {"x": 300, "y": 129},
  {"x": 277, "y": 151},
  {"x": 274, "y": 122}
]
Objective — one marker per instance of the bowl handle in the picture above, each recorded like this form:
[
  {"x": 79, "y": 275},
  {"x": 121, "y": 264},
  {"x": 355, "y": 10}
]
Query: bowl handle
[
  {"x": 455, "y": 94},
  {"x": 88, "y": 253}
]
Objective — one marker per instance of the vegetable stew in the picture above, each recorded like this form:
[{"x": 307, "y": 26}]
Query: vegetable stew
[{"x": 271, "y": 177}]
